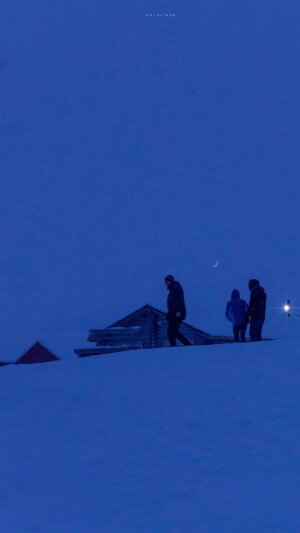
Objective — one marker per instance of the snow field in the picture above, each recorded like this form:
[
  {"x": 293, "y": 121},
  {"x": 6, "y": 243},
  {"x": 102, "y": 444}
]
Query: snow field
[{"x": 193, "y": 439}]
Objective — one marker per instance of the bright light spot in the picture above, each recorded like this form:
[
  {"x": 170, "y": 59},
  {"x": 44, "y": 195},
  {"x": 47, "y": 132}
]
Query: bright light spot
[{"x": 287, "y": 308}]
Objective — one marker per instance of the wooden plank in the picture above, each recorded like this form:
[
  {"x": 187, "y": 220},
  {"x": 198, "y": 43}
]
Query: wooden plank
[
  {"x": 86, "y": 352},
  {"x": 116, "y": 335}
]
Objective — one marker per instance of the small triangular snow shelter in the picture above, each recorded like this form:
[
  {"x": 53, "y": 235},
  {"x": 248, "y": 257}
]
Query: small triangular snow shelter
[{"x": 37, "y": 354}]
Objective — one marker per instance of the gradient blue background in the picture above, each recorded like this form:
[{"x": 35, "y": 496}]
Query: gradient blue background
[{"x": 133, "y": 147}]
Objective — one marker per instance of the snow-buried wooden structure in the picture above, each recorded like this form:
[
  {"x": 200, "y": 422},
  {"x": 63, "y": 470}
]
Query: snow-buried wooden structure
[
  {"x": 37, "y": 354},
  {"x": 144, "y": 328}
]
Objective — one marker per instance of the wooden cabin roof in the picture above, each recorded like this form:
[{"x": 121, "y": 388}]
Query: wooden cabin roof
[
  {"x": 37, "y": 354},
  {"x": 160, "y": 313}
]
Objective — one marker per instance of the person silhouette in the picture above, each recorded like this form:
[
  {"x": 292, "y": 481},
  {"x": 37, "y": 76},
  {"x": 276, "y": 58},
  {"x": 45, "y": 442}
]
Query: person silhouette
[
  {"x": 236, "y": 310},
  {"x": 176, "y": 311},
  {"x": 257, "y": 309}
]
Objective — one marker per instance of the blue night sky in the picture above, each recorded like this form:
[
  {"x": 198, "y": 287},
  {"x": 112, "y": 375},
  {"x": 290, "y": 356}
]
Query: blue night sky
[{"x": 132, "y": 147}]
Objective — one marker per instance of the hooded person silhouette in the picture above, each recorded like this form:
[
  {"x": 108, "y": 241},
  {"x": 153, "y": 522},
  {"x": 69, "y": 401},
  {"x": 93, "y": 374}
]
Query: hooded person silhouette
[
  {"x": 236, "y": 311},
  {"x": 257, "y": 309}
]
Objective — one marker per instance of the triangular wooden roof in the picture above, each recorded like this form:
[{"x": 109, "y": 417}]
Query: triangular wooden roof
[
  {"x": 160, "y": 313},
  {"x": 37, "y": 354}
]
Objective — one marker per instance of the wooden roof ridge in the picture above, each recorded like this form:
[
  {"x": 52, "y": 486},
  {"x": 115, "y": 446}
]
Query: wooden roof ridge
[
  {"x": 37, "y": 349},
  {"x": 134, "y": 312},
  {"x": 147, "y": 306}
]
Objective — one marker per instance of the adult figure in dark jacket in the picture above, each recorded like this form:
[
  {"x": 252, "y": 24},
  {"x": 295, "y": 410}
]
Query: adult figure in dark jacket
[
  {"x": 256, "y": 310},
  {"x": 176, "y": 311},
  {"x": 236, "y": 310}
]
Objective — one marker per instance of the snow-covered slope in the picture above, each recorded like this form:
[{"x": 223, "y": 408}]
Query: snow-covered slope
[{"x": 196, "y": 439}]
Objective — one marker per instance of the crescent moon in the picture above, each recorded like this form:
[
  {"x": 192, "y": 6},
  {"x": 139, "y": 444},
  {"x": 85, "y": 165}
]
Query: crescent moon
[{"x": 215, "y": 266}]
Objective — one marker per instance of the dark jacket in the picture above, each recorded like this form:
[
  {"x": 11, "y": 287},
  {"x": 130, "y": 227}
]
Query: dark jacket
[
  {"x": 257, "y": 304},
  {"x": 176, "y": 301},
  {"x": 236, "y": 309}
]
